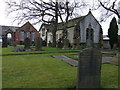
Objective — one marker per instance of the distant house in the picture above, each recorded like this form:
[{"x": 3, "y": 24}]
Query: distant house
[
  {"x": 77, "y": 31},
  {"x": 18, "y": 34}
]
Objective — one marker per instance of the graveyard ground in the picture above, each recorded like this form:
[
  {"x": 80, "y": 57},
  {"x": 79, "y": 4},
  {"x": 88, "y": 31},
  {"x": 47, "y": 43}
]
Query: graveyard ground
[{"x": 44, "y": 71}]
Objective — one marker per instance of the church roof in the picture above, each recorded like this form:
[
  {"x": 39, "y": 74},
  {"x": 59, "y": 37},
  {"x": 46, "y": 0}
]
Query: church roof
[
  {"x": 71, "y": 23},
  {"x": 5, "y": 28}
]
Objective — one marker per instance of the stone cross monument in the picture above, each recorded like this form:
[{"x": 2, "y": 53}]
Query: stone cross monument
[{"x": 89, "y": 64}]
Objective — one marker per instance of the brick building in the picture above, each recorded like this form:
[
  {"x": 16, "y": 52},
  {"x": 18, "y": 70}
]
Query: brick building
[{"x": 18, "y": 34}]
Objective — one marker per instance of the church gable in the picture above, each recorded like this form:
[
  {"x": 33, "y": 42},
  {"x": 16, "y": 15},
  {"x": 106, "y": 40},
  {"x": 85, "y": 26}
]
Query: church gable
[{"x": 84, "y": 24}]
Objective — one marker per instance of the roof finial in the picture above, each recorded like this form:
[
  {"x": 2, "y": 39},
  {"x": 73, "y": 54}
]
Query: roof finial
[{"x": 89, "y": 10}]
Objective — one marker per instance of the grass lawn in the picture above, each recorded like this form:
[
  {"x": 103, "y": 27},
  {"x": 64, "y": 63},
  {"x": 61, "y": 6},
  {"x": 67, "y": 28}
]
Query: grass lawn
[
  {"x": 37, "y": 71},
  {"x": 43, "y": 71},
  {"x": 10, "y": 49}
]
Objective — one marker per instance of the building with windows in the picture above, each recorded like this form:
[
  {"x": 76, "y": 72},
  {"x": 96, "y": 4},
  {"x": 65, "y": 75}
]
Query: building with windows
[
  {"x": 18, "y": 34},
  {"x": 78, "y": 31}
]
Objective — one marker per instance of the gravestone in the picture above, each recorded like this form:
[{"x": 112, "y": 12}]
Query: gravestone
[
  {"x": 59, "y": 43},
  {"x": 50, "y": 44},
  {"x": 38, "y": 44},
  {"x": 4, "y": 41},
  {"x": 27, "y": 44},
  {"x": 66, "y": 44},
  {"x": 89, "y": 66}
]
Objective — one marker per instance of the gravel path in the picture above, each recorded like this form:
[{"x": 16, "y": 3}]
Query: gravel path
[
  {"x": 70, "y": 61},
  {"x": 74, "y": 63}
]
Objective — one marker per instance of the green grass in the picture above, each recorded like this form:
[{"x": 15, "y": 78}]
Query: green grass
[
  {"x": 43, "y": 71},
  {"x": 109, "y": 77},
  {"x": 37, "y": 71},
  {"x": 72, "y": 56},
  {"x": 10, "y": 49}
]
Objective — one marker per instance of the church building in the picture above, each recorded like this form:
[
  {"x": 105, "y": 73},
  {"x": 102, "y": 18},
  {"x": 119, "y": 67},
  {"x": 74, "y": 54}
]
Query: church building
[
  {"x": 80, "y": 31},
  {"x": 18, "y": 34}
]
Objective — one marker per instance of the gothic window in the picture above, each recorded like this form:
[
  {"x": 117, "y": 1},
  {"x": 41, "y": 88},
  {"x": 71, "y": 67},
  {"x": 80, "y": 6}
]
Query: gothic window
[
  {"x": 21, "y": 35},
  {"x": 27, "y": 34},
  {"x": 33, "y": 36},
  {"x": 87, "y": 33},
  {"x": 9, "y": 36},
  {"x": 91, "y": 34}
]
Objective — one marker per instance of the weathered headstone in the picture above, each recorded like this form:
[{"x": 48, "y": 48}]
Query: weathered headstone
[
  {"x": 38, "y": 43},
  {"x": 89, "y": 68},
  {"x": 50, "y": 44},
  {"x": 66, "y": 44},
  {"x": 59, "y": 43},
  {"x": 27, "y": 44},
  {"x": 89, "y": 65},
  {"x": 4, "y": 41}
]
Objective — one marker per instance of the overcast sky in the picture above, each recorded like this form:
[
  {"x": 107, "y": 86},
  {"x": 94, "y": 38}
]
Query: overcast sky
[{"x": 5, "y": 20}]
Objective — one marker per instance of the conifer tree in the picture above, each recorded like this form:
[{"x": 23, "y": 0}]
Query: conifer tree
[{"x": 113, "y": 32}]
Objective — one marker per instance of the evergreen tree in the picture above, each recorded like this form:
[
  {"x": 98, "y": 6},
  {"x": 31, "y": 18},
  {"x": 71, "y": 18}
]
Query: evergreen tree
[{"x": 113, "y": 32}]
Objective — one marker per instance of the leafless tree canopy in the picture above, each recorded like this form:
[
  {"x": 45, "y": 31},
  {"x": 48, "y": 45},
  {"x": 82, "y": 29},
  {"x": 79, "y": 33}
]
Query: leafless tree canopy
[
  {"x": 108, "y": 8},
  {"x": 40, "y": 10}
]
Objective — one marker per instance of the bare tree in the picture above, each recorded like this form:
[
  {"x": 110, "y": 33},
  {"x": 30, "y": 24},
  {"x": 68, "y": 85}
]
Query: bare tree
[
  {"x": 39, "y": 11},
  {"x": 108, "y": 7}
]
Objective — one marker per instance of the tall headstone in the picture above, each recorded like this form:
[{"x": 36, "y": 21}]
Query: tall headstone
[
  {"x": 66, "y": 44},
  {"x": 38, "y": 44},
  {"x": 4, "y": 41},
  {"x": 89, "y": 66},
  {"x": 27, "y": 43}
]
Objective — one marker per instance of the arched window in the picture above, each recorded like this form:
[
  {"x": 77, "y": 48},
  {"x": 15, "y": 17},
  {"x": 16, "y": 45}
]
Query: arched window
[
  {"x": 9, "y": 36},
  {"x": 21, "y": 35},
  {"x": 28, "y": 34},
  {"x": 89, "y": 36},
  {"x": 33, "y": 36},
  {"x": 89, "y": 33}
]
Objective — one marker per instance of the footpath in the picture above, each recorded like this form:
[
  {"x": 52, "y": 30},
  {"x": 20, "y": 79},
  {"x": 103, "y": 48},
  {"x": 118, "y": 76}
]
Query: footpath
[{"x": 74, "y": 63}]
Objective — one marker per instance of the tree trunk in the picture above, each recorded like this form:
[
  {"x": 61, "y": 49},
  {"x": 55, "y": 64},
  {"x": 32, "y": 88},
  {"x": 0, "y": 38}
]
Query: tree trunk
[
  {"x": 65, "y": 43},
  {"x": 55, "y": 25}
]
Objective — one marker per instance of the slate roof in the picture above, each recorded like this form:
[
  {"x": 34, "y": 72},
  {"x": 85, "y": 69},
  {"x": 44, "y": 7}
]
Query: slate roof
[
  {"x": 71, "y": 23},
  {"x": 5, "y": 28}
]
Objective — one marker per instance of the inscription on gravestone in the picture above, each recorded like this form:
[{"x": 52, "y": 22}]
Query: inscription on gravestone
[{"x": 89, "y": 68}]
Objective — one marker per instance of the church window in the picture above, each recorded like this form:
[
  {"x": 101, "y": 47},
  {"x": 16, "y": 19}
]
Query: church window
[{"x": 22, "y": 35}]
